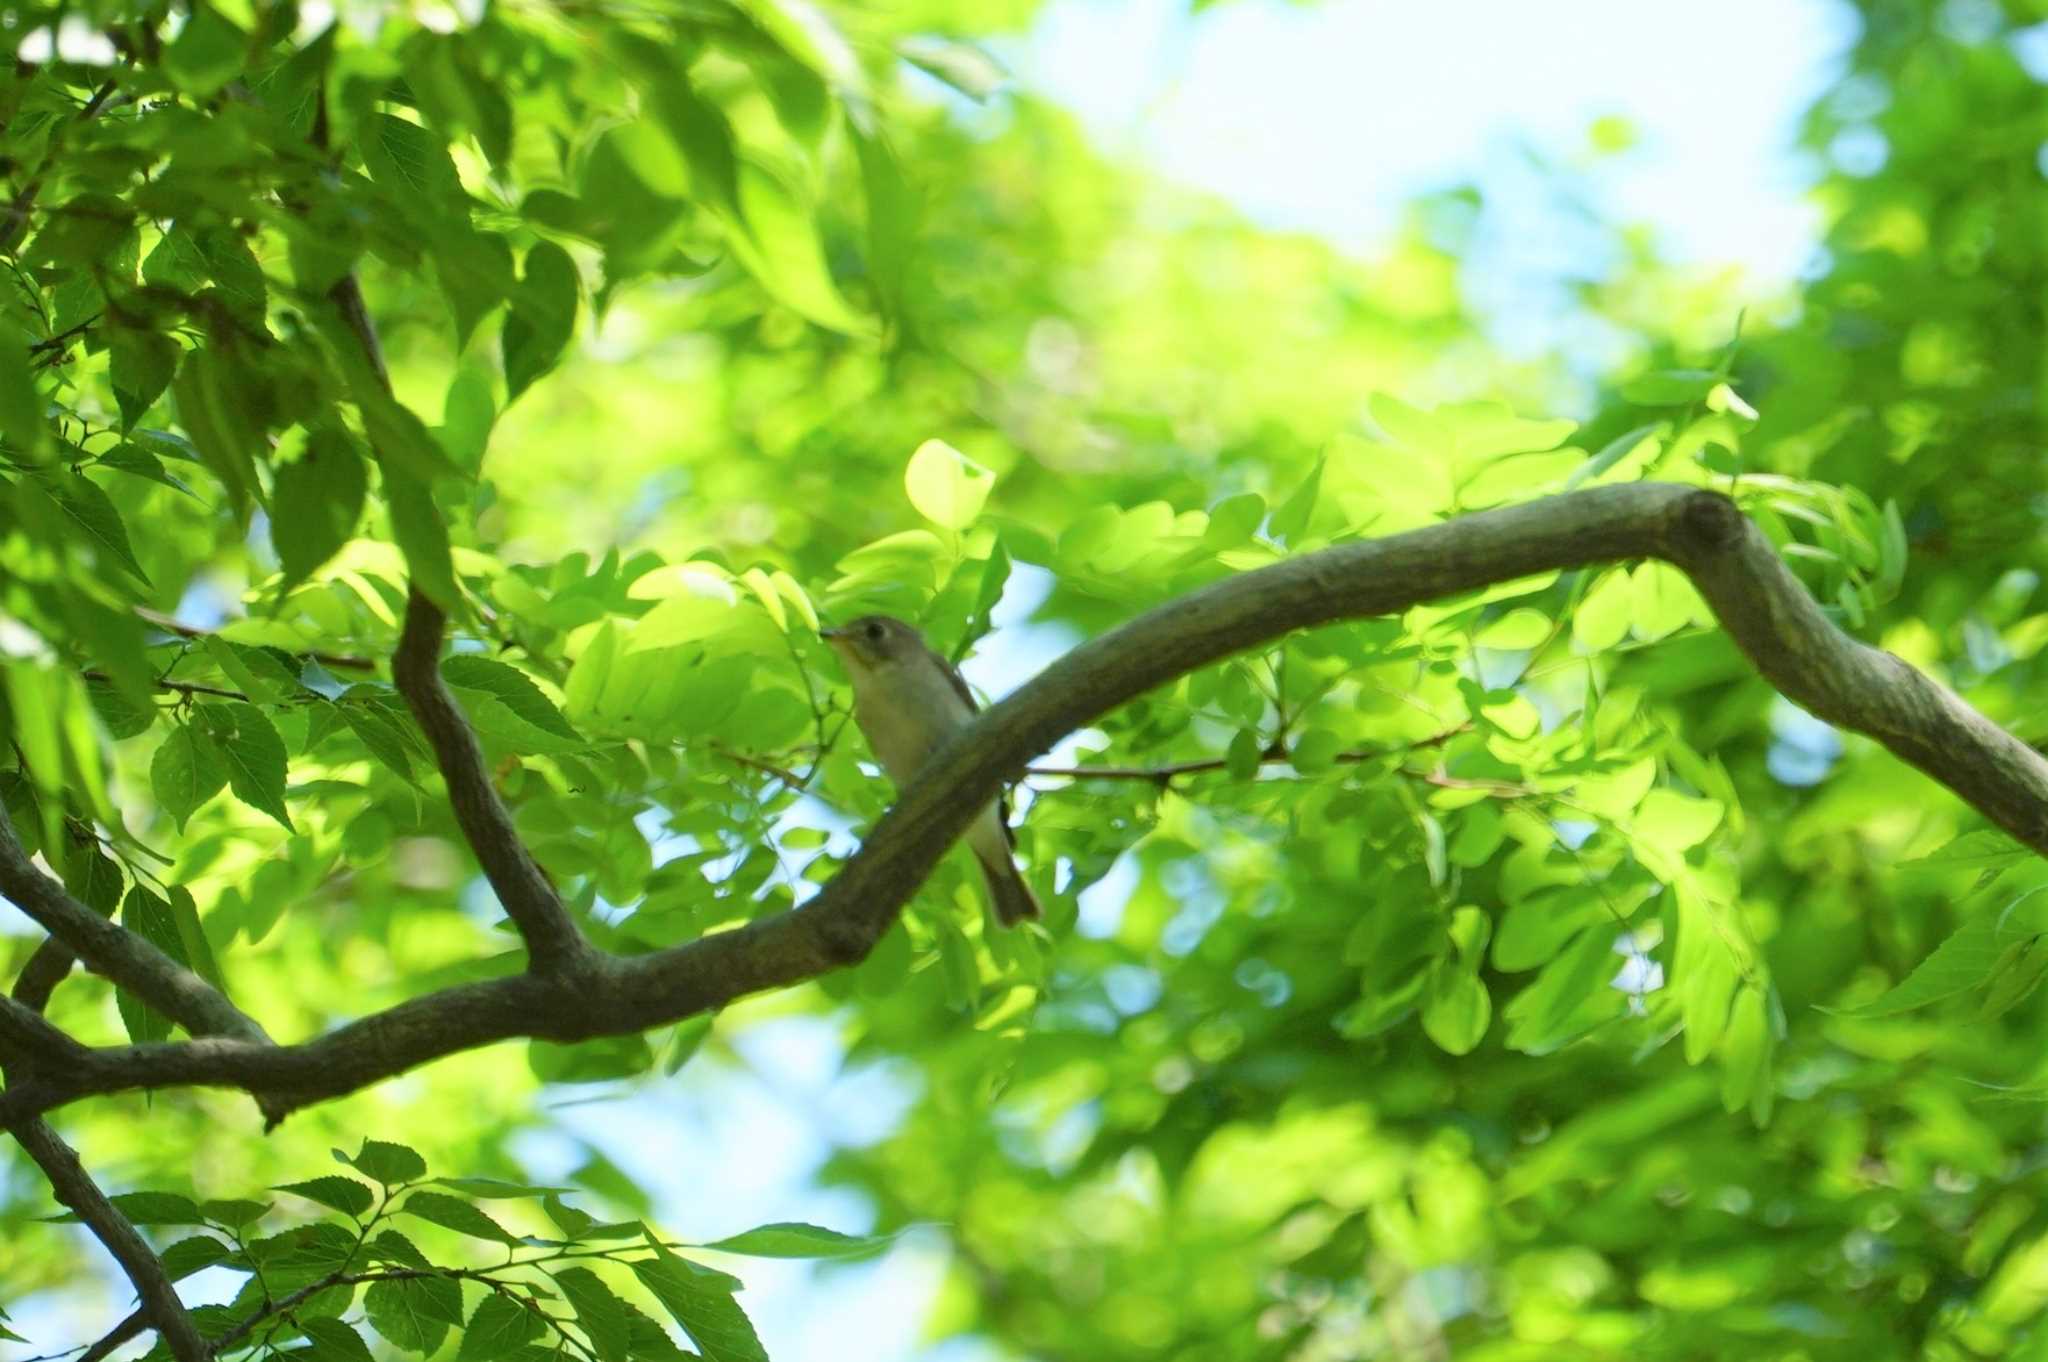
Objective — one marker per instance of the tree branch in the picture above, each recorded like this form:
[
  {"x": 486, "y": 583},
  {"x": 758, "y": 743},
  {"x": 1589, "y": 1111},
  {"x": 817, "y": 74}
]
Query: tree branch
[
  {"x": 156, "y": 619},
  {"x": 1760, "y": 602},
  {"x": 27, "y": 1040},
  {"x": 76, "y": 1190},
  {"x": 1274, "y": 755},
  {"x": 112, "y": 950},
  {"x": 529, "y": 899},
  {"x": 552, "y": 942}
]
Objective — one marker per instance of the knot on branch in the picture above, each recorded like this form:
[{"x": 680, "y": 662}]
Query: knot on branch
[{"x": 1709, "y": 522}]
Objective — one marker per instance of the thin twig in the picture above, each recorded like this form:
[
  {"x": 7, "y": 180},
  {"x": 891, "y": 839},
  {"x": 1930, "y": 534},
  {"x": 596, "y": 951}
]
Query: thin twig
[
  {"x": 338, "y": 661},
  {"x": 1274, "y": 755}
]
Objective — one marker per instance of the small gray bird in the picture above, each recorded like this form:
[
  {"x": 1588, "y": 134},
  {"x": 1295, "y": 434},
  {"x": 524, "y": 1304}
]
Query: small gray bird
[{"x": 908, "y": 700}]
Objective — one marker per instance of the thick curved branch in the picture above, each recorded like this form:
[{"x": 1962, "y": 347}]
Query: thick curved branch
[
  {"x": 77, "y": 1191},
  {"x": 1761, "y": 604},
  {"x": 112, "y": 950},
  {"x": 529, "y": 899},
  {"x": 27, "y": 1040}
]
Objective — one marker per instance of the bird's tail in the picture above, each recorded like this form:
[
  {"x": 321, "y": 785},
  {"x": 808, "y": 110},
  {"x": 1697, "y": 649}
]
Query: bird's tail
[{"x": 1006, "y": 888}]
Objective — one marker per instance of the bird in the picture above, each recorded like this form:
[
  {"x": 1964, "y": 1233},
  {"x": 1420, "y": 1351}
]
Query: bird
[{"x": 907, "y": 700}]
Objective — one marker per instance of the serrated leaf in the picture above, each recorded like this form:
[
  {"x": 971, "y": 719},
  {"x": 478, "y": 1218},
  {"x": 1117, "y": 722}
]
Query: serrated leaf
[
  {"x": 386, "y": 1163},
  {"x": 423, "y": 536},
  {"x": 453, "y": 1213},
  {"x": 21, "y": 406},
  {"x": 414, "y": 1314},
  {"x": 149, "y": 917},
  {"x": 343, "y": 1194},
  {"x": 223, "y": 424},
  {"x": 599, "y": 1311},
  {"x": 512, "y": 687},
  {"x": 252, "y": 752},
  {"x": 793, "y": 1239},
  {"x": 139, "y": 365},
  {"x": 501, "y": 1323},
  {"x": 189, "y": 1255},
  {"x": 702, "y": 1302},
  {"x": 542, "y": 319},
  {"x": 334, "y": 1341},
  {"x": 316, "y": 503},
  {"x": 90, "y": 510}
]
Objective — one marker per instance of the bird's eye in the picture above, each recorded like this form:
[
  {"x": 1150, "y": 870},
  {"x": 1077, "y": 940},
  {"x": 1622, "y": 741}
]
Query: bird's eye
[{"x": 875, "y": 631}]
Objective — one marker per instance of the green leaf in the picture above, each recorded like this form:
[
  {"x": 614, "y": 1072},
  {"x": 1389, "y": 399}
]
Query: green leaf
[
  {"x": 1746, "y": 1056},
  {"x": 1670, "y": 387},
  {"x": 589, "y": 1061},
  {"x": 1611, "y": 453},
  {"x": 157, "y": 1208},
  {"x": 499, "y": 1325},
  {"x": 1316, "y": 751},
  {"x": 343, "y": 1194},
  {"x": 1602, "y": 619},
  {"x": 1519, "y": 629},
  {"x": 333, "y": 1341},
  {"x": 386, "y": 1163},
  {"x": 1965, "y": 959},
  {"x": 689, "y": 1038},
  {"x": 945, "y": 486},
  {"x": 94, "y": 879},
  {"x": 1570, "y": 996},
  {"x": 21, "y": 406},
  {"x": 252, "y": 752},
  {"x": 1665, "y": 601},
  {"x": 140, "y": 365},
  {"x": 316, "y": 503},
  {"x": 599, "y": 1311},
  {"x": 495, "y": 1189},
  {"x": 792, "y": 1239},
  {"x": 1291, "y": 518},
  {"x": 475, "y": 270},
  {"x": 190, "y": 1254},
  {"x": 414, "y": 1314},
  {"x": 149, "y": 917},
  {"x": 235, "y": 1213},
  {"x": 1244, "y": 755},
  {"x": 962, "y": 65},
  {"x": 208, "y": 52},
  {"x": 187, "y": 770},
  {"x": 1674, "y": 821},
  {"x": 423, "y": 537},
  {"x": 701, "y": 1301},
  {"x": 1455, "y": 1008},
  {"x": 214, "y": 407},
  {"x": 777, "y": 240},
  {"x": 411, "y": 163},
  {"x": 542, "y": 319},
  {"x": 195, "y": 950},
  {"x": 1978, "y": 849},
  {"x": 138, "y": 462},
  {"x": 456, "y": 1214},
  {"x": 232, "y": 266},
  {"x": 401, "y": 441}
]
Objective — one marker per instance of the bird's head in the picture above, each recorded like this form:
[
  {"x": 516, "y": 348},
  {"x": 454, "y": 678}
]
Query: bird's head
[{"x": 873, "y": 642}]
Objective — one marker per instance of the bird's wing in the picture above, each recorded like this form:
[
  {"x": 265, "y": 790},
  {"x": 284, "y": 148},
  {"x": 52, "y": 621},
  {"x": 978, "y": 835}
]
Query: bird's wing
[{"x": 974, "y": 707}]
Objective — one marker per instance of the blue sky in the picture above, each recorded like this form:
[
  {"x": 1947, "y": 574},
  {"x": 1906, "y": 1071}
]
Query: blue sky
[{"x": 1324, "y": 118}]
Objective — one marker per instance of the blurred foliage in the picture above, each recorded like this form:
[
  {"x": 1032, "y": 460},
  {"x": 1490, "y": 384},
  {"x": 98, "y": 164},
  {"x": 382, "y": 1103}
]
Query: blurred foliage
[{"x": 1517, "y": 978}]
